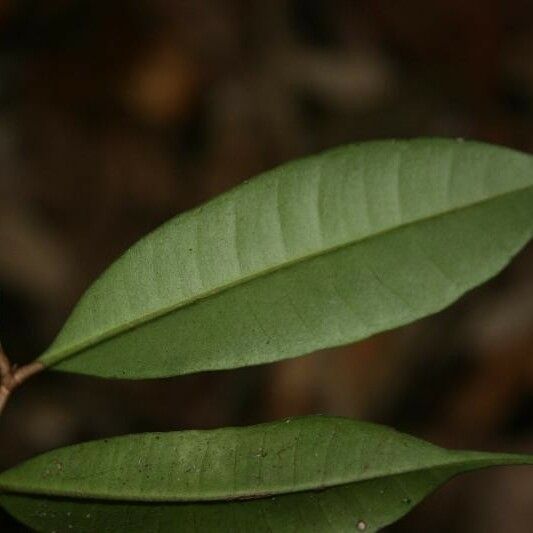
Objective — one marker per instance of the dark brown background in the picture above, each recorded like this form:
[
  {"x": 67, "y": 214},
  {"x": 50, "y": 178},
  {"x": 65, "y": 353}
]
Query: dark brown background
[{"x": 115, "y": 116}]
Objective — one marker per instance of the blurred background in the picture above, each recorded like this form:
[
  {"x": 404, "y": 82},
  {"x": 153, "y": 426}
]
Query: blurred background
[{"x": 115, "y": 116}]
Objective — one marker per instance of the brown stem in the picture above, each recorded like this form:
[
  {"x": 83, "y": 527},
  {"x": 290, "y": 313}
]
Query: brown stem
[
  {"x": 5, "y": 365},
  {"x": 4, "y": 396},
  {"x": 11, "y": 377}
]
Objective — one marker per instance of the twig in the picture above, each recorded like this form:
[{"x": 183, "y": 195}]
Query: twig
[
  {"x": 4, "y": 395},
  {"x": 5, "y": 366},
  {"x": 11, "y": 377}
]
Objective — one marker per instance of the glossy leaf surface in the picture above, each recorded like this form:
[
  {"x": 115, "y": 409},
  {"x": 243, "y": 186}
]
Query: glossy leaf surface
[
  {"x": 316, "y": 253},
  {"x": 304, "y": 474}
]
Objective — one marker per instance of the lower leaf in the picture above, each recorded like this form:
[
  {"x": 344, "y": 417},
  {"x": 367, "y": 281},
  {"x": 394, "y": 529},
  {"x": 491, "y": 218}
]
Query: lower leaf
[
  {"x": 305, "y": 474},
  {"x": 364, "y": 506}
]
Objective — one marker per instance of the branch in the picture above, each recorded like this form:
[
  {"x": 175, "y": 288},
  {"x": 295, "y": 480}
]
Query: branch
[
  {"x": 5, "y": 371},
  {"x": 5, "y": 365},
  {"x": 12, "y": 377},
  {"x": 4, "y": 395}
]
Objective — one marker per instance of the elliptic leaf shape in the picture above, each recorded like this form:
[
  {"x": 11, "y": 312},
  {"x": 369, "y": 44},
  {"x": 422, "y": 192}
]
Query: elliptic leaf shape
[
  {"x": 365, "y": 506},
  {"x": 316, "y": 253},
  {"x": 304, "y": 474}
]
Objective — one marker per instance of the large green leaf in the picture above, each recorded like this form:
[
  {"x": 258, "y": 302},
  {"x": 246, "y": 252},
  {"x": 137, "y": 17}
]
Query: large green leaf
[
  {"x": 303, "y": 474},
  {"x": 366, "y": 505},
  {"x": 316, "y": 253}
]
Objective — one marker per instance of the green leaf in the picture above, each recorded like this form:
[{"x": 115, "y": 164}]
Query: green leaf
[
  {"x": 367, "y": 505},
  {"x": 304, "y": 474},
  {"x": 316, "y": 253}
]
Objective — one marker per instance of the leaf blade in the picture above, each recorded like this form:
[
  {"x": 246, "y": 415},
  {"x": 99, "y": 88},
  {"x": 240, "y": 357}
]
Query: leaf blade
[
  {"x": 295, "y": 455},
  {"x": 375, "y": 503},
  {"x": 373, "y": 474},
  {"x": 232, "y": 283}
]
